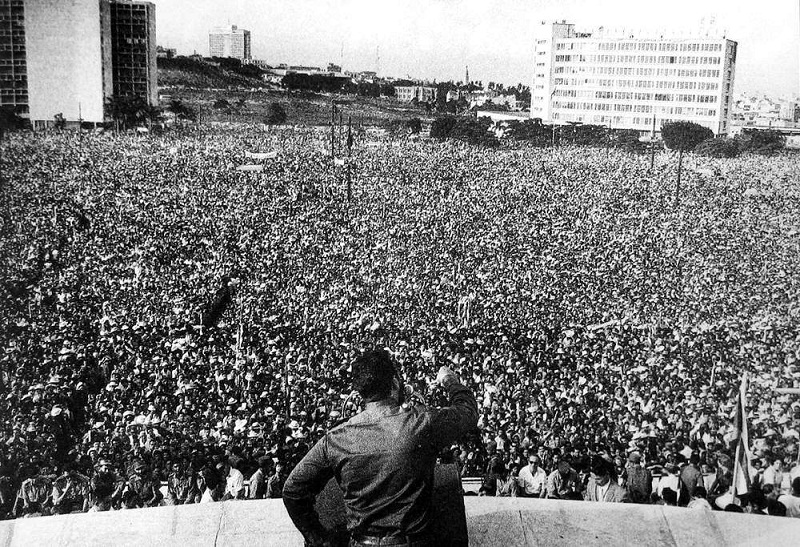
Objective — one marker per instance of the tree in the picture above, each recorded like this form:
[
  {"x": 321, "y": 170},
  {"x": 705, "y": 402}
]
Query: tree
[
  {"x": 683, "y": 137},
  {"x": 276, "y": 114},
  {"x": 10, "y": 120},
  {"x": 414, "y": 125},
  {"x": 130, "y": 111},
  {"x": 720, "y": 147},
  {"x": 761, "y": 141},
  {"x": 181, "y": 110},
  {"x": 465, "y": 128}
]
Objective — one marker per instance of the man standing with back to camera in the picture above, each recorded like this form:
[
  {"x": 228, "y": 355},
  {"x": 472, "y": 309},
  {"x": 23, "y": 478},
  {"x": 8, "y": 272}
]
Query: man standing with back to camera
[{"x": 383, "y": 459}]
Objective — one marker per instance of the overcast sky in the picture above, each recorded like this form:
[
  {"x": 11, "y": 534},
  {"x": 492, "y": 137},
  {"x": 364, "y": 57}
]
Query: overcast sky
[{"x": 436, "y": 39}]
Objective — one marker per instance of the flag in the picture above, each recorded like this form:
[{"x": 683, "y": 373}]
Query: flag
[{"x": 742, "y": 470}]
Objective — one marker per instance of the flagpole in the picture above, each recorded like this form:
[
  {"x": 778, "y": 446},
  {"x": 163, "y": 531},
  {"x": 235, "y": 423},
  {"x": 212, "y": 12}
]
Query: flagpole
[{"x": 741, "y": 439}]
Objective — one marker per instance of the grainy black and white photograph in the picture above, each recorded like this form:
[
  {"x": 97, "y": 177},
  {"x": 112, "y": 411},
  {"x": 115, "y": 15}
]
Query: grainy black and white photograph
[{"x": 399, "y": 273}]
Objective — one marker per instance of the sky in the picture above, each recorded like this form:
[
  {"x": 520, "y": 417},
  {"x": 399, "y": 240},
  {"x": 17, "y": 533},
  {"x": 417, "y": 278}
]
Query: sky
[{"x": 437, "y": 39}]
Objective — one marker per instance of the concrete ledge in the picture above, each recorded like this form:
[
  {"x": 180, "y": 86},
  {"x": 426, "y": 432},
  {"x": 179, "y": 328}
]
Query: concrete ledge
[{"x": 491, "y": 521}]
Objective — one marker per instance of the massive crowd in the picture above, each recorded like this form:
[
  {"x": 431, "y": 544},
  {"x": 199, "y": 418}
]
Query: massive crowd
[{"x": 167, "y": 318}]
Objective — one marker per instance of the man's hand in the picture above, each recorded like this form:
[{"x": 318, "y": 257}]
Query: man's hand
[{"x": 446, "y": 377}]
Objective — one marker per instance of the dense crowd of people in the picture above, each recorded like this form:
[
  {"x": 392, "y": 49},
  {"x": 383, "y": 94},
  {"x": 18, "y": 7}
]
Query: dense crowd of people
[{"x": 169, "y": 319}]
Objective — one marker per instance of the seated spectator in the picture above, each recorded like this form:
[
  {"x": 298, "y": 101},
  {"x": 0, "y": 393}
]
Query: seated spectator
[
  {"x": 792, "y": 501},
  {"x": 71, "y": 491},
  {"x": 601, "y": 488}
]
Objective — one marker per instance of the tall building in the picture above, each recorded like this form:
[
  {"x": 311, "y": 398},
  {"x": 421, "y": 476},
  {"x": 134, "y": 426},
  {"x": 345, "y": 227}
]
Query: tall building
[
  {"x": 13, "y": 71},
  {"x": 67, "y": 58},
  {"x": 68, "y": 53},
  {"x": 134, "y": 50},
  {"x": 229, "y": 42},
  {"x": 624, "y": 80}
]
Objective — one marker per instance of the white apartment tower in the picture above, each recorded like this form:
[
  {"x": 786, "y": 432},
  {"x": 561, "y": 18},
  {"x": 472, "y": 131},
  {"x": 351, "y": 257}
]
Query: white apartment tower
[
  {"x": 624, "y": 81},
  {"x": 229, "y": 42}
]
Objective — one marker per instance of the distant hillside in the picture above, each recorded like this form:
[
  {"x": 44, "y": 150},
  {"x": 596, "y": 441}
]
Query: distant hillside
[{"x": 186, "y": 72}]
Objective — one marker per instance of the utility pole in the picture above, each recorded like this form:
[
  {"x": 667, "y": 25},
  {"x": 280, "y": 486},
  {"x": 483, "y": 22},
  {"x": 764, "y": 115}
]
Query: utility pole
[
  {"x": 653, "y": 142},
  {"x": 349, "y": 153},
  {"x": 333, "y": 129}
]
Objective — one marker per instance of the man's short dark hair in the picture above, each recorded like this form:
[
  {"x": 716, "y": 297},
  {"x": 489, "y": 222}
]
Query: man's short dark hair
[
  {"x": 373, "y": 373},
  {"x": 601, "y": 467}
]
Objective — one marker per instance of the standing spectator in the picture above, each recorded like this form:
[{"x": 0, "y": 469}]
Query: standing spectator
[
  {"x": 638, "y": 479},
  {"x": 773, "y": 474},
  {"x": 259, "y": 479},
  {"x": 276, "y": 481},
  {"x": 691, "y": 477},
  {"x": 234, "y": 480}
]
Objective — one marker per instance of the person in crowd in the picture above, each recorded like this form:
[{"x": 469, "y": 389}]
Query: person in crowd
[
  {"x": 181, "y": 485},
  {"x": 698, "y": 499},
  {"x": 234, "y": 480},
  {"x": 260, "y": 478},
  {"x": 532, "y": 478},
  {"x": 638, "y": 479},
  {"x": 35, "y": 497},
  {"x": 601, "y": 487},
  {"x": 141, "y": 489},
  {"x": 71, "y": 491},
  {"x": 105, "y": 487},
  {"x": 563, "y": 483},
  {"x": 691, "y": 477},
  {"x": 276, "y": 481},
  {"x": 792, "y": 501}
]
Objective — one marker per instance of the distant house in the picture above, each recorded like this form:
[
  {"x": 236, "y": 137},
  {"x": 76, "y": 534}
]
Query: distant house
[{"x": 422, "y": 93}]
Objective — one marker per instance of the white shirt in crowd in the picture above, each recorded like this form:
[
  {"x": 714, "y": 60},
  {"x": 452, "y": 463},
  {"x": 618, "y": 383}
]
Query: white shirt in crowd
[
  {"x": 234, "y": 484},
  {"x": 792, "y": 504},
  {"x": 532, "y": 481}
]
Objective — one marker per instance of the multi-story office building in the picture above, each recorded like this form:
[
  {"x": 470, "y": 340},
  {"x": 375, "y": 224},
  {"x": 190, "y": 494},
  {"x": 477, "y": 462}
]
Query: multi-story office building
[
  {"x": 13, "y": 70},
  {"x": 134, "y": 50},
  {"x": 68, "y": 58},
  {"x": 625, "y": 81},
  {"x": 229, "y": 42}
]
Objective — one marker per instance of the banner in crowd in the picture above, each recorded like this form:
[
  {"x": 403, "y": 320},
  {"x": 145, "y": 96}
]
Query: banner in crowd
[
  {"x": 261, "y": 155},
  {"x": 253, "y": 168}
]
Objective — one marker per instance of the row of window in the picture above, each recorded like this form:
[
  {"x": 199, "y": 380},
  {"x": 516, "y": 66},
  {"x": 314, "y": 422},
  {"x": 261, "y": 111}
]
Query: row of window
[
  {"x": 640, "y": 59},
  {"x": 632, "y": 96},
  {"x": 594, "y": 45},
  {"x": 656, "y": 46},
  {"x": 605, "y": 82},
  {"x": 629, "y": 71},
  {"x": 641, "y": 108}
]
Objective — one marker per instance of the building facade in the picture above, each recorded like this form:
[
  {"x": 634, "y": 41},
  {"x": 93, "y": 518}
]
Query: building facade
[
  {"x": 626, "y": 81},
  {"x": 65, "y": 59},
  {"x": 229, "y": 42},
  {"x": 133, "y": 50},
  {"x": 13, "y": 64},
  {"x": 422, "y": 93},
  {"x": 68, "y": 60}
]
